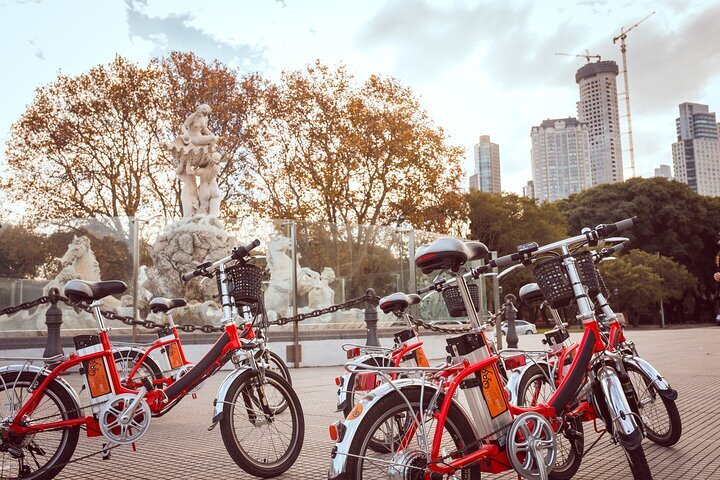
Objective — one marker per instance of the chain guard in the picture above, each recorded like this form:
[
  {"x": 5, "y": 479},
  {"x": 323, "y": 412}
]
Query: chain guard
[
  {"x": 120, "y": 430},
  {"x": 532, "y": 438}
]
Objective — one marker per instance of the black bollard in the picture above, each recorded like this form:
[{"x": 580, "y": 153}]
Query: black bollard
[
  {"x": 510, "y": 317},
  {"x": 53, "y": 320},
  {"x": 371, "y": 319}
]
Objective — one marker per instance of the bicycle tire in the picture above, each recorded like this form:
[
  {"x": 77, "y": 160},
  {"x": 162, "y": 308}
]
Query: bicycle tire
[
  {"x": 652, "y": 430},
  {"x": 457, "y": 426},
  {"x": 574, "y": 447},
  {"x": 638, "y": 463},
  {"x": 68, "y": 410},
  {"x": 245, "y": 386}
]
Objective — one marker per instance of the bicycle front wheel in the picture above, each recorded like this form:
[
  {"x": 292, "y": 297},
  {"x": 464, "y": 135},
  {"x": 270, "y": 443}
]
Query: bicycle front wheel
[
  {"x": 660, "y": 415},
  {"x": 264, "y": 441}
]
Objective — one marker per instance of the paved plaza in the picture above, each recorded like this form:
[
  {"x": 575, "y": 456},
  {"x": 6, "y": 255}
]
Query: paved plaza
[{"x": 179, "y": 446}]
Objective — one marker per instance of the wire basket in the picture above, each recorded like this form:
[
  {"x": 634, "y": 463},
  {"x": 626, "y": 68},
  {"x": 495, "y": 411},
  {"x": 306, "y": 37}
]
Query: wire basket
[
  {"x": 553, "y": 280},
  {"x": 244, "y": 283},
  {"x": 454, "y": 301}
]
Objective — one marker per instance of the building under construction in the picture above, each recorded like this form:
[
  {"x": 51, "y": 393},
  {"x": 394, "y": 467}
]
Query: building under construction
[{"x": 598, "y": 109}]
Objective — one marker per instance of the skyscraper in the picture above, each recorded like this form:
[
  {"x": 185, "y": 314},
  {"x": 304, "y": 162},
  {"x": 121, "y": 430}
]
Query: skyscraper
[
  {"x": 663, "y": 171},
  {"x": 696, "y": 154},
  {"x": 559, "y": 156},
  {"x": 598, "y": 109},
  {"x": 487, "y": 166}
]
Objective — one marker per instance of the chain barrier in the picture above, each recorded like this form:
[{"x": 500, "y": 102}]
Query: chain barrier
[
  {"x": 491, "y": 319},
  {"x": 187, "y": 328},
  {"x": 368, "y": 297}
]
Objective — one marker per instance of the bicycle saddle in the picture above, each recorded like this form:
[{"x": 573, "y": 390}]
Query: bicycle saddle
[
  {"x": 397, "y": 302},
  {"x": 449, "y": 254},
  {"x": 86, "y": 291},
  {"x": 531, "y": 294},
  {"x": 163, "y": 305}
]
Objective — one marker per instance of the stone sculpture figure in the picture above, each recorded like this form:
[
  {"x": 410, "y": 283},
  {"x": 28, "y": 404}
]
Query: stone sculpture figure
[
  {"x": 277, "y": 295},
  {"x": 322, "y": 295},
  {"x": 78, "y": 262},
  {"x": 196, "y": 155}
]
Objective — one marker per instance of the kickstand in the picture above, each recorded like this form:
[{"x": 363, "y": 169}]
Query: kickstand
[{"x": 107, "y": 449}]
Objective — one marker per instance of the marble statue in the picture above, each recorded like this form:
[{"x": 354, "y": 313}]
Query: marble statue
[
  {"x": 196, "y": 155},
  {"x": 78, "y": 262},
  {"x": 277, "y": 296},
  {"x": 322, "y": 294}
]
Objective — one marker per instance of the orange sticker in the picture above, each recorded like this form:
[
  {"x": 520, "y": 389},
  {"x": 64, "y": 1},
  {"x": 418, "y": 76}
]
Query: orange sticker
[
  {"x": 355, "y": 411},
  {"x": 420, "y": 358},
  {"x": 97, "y": 378},
  {"x": 173, "y": 354},
  {"x": 492, "y": 391}
]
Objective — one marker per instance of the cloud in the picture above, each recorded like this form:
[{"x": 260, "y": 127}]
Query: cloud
[
  {"x": 175, "y": 32},
  {"x": 673, "y": 66},
  {"x": 36, "y": 50},
  {"x": 429, "y": 38}
]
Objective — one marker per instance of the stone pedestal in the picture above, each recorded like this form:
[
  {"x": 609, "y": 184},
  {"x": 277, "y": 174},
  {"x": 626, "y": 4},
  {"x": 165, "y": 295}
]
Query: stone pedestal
[{"x": 180, "y": 248}]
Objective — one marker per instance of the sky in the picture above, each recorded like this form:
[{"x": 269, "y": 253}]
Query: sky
[{"x": 478, "y": 67}]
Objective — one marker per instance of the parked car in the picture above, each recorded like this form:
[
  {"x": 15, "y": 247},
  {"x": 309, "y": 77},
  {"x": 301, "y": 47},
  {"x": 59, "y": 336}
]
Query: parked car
[
  {"x": 521, "y": 327},
  {"x": 454, "y": 322}
]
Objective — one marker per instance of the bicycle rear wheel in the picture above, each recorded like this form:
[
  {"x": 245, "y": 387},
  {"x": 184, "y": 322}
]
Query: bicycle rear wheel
[
  {"x": 262, "y": 440},
  {"x": 43, "y": 454}
]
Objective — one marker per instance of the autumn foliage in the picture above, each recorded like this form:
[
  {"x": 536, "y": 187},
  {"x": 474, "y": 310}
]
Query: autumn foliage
[{"x": 315, "y": 145}]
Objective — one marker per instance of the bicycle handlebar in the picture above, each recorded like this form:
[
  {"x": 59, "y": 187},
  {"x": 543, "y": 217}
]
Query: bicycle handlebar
[
  {"x": 238, "y": 253},
  {"x": 601, "y": 231}
]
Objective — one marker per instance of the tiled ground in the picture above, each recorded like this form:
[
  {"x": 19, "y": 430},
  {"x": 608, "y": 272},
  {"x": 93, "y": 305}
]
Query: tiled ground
[{"x": 178, "y": 445}]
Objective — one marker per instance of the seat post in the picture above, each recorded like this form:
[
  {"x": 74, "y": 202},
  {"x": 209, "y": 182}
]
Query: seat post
[
  {"x": 95, "y": 305},
  {"x": 467, "y": 299}
]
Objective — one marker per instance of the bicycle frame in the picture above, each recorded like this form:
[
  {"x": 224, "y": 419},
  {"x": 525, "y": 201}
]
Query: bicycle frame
[{"x": 159, "y": 400}]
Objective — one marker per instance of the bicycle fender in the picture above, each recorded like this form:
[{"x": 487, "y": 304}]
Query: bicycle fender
[
  {"x": 342, "y": 389},
  {"x": 43, "y": 372},
  {"x": 219, "y": 402},
  {"x": 513, "y": 383},
  {"x": 352, "y": 422},
  {"x": 649, "y": 371},
  {"x": 623, "y": 423}
]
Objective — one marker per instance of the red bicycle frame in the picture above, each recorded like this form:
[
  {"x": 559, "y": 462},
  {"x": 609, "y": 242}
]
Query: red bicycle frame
[
  {"x": 492, "y": 458},
  {"x": 159, "y": 400}
]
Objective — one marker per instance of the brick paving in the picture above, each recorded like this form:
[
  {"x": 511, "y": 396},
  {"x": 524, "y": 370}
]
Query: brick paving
[{"x": 178, "y": 445}]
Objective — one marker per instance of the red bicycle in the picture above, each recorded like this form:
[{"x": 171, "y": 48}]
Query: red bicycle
[
  {"x": 43, "y": 415},
  {"x": 135, "y": 361},
  {"x": 652, "y": 399},
  {"x": 429, "y": 434}
]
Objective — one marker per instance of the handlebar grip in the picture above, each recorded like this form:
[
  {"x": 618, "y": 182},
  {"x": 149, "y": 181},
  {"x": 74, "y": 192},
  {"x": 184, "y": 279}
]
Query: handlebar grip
[
  {"x": 427, "y": 289},
  {"x": 618, "y": 247},
  {"x": 238, "y": 253},
  {"x": 250, "y": 246},
  {"x": 505, "y": 260},
  {"x": 189, "y": 275},
  {"x": 606, "y": 230}
]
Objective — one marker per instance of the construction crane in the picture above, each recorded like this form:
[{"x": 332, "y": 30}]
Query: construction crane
[
  {"x": 623, "y": 49},
  {"x": 587, "y": 55}
]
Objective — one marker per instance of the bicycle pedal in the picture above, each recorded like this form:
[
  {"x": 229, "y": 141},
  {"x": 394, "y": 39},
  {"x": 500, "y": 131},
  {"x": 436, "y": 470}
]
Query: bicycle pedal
[{"x": 106, "y": 451}]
